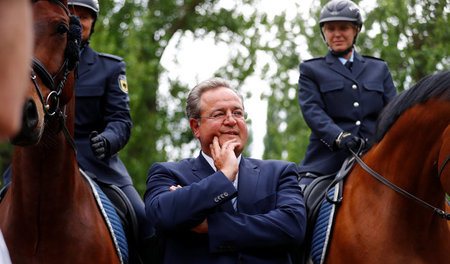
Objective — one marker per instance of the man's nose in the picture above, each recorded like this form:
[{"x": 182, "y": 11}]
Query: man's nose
[{"x": 229, "y": 118}]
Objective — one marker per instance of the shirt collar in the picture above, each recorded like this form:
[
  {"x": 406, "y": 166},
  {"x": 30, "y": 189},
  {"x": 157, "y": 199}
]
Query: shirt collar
[
  {"x": 211, "y": 161},
  {"x": 343, "y": 61}
]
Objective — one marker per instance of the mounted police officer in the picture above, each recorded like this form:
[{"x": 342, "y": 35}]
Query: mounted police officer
[
  {"x": 102, "y": 118},
  {"x": 341, "y": 94}
]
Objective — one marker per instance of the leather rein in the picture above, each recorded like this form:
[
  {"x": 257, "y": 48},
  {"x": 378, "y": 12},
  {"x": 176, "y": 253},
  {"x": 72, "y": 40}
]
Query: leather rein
[
  {"x": 441, "y": 213},
  {"x": 51, "y": 104}
]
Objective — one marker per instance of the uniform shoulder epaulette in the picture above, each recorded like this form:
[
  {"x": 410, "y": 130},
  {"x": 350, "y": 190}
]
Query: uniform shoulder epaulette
[
  {"x": 315, "y": 58},
  {"x": 110, "y": 56},
  {"x": 371, "y": 57}
]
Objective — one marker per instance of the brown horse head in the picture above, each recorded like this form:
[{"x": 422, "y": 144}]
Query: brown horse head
[
  {"x": 56, "y": 52},
  {"x": 49, "y": 214}
]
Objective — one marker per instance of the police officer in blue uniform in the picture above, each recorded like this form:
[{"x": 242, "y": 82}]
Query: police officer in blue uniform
[
  {"x": 102, "y": 114},
  {"x": 341, "y": 94}
]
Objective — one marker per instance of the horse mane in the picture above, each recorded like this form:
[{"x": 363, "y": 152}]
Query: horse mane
[{"x": 428, "y": 87}]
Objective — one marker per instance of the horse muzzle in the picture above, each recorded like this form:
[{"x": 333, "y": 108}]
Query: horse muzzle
[{"x": 29, "y": 133}]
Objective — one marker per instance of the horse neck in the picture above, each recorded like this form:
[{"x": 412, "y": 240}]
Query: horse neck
[
  {"x": 50, "y": 166},
  {"x": 407, "y": 155}
]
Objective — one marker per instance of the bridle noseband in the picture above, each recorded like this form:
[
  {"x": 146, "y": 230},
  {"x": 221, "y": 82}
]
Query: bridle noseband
[{"x": 51, "y": 104}]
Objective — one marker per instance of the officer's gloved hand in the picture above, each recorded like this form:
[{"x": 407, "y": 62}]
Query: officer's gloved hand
[
  {"x": 99, "y": 145},
  {"x": 348, "y": 141}
]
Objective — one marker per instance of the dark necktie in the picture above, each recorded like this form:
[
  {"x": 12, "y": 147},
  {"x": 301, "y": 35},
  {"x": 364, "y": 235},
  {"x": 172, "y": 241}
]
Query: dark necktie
[{"x": 349, "y": 65}]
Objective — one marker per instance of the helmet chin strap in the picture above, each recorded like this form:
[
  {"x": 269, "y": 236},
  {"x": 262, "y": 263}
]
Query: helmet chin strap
[
  {"x": 342, "y": 53},
  {"x": 85, "y": 43}
]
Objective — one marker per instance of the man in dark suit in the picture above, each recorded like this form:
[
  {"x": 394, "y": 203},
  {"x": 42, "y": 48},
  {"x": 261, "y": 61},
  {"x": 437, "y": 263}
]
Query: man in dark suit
[{"x": 221, "y": 207}]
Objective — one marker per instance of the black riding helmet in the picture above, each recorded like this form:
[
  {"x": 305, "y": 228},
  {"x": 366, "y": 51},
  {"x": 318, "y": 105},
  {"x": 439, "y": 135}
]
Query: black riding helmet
[
  {"x": 89, "y": 4},
  {"x": 340, "y": 10}
]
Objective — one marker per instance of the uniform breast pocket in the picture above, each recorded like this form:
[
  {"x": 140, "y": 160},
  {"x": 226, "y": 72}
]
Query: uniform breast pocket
[
  {"x": 88, "y": 91},
  {"x": 374, "y": 87},
  {"x": 333, "y": 95},
  {"x": 88, "y": 103},
  {"x": 331, "y": 86},
  {"x": 372, "y": 97}
]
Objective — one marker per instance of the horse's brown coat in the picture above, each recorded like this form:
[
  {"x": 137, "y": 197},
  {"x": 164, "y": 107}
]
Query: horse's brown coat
[
  {"x": 49, "y": 214},
  {"x": 377, "y": 225}
]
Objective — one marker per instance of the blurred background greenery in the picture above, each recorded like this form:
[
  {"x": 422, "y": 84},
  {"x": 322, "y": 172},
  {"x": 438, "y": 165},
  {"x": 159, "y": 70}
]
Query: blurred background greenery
[{"x": 412, "y": 36}]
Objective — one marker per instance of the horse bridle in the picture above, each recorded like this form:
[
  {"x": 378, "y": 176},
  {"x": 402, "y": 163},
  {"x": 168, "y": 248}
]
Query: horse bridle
[
  {"x": 356, "y": 157},
  {"x": 441, "y": 213},
  {"x": 51, "y": 104},
  {"x": 441, "y": 169}
]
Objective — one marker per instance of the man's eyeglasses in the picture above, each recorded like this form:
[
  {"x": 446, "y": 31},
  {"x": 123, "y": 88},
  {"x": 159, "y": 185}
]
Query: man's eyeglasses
[{"x": 221, "y": 116}]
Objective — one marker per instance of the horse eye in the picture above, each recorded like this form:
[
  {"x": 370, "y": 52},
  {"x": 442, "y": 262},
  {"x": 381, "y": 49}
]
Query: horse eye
[{"x": 62, "y": 29}]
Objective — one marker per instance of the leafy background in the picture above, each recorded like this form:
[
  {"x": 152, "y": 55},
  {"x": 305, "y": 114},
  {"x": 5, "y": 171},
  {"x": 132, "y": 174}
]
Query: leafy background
[{"x": 411, "y": 35}]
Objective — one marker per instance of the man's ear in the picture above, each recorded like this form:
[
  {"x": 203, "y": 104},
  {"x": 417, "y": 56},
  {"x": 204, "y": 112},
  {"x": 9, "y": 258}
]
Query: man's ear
[{"x": 195, "y": 124}]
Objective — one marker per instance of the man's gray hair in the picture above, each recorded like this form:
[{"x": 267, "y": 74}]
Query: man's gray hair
[{"x": 193, "y": 107}]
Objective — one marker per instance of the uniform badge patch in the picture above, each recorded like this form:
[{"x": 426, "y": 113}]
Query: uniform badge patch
[{"x": 123, "y": 83}]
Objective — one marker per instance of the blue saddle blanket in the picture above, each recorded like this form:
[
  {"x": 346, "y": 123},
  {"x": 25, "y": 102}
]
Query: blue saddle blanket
[
  {"x": 323, "y": 227},
  {"x": 111, "y": 218}
]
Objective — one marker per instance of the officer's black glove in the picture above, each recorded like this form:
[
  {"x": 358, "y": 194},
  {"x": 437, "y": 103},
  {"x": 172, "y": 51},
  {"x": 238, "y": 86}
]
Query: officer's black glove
[
  {"x": 99, "y": 145},
  {"x": 348, "y": 141}
]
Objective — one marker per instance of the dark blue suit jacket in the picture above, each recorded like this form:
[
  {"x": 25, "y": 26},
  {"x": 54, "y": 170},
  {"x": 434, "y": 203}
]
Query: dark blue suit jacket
[
  {"x": 335, "y": 100},
  {"x": 270, "y": 216},
  {"x": 102, "y": 104}
]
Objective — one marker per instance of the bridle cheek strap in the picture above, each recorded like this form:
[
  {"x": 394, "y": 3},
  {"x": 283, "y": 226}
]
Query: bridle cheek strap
[{"x": 51, "y": 104}]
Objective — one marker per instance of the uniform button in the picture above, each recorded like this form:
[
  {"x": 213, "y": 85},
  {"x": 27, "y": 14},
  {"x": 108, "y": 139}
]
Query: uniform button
[
  {"x": 358, "y": 123},
  {"x": 225, "y": 193},
  {"x": 216, "y": 199},
  {"x": 354, "y": 87},
  {"x": 222, "y": 196},
  {"x": 355, "y": 104}
]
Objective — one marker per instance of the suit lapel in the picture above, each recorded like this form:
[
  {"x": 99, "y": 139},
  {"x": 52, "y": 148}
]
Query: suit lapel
[
  {"x": 358, "y": 64},
  {"x": 337, "y": 66},
  {"x": 249, "y": 174},
  {"x": 201, "y": 168}
]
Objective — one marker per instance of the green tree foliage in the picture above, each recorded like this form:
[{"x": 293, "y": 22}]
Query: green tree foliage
[
  {"x": 412, "y": 36},
  {"x": 414, "y": 43},
  {"x": 140, "y": 32}
]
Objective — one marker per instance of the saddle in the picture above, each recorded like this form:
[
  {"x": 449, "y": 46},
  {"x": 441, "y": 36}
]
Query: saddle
[
  {"x": 3, "y": 191},
  {"x": 125, "y": 212},
  {"x": 127, "y": 216},
  {"x": 322, "y": 198}
]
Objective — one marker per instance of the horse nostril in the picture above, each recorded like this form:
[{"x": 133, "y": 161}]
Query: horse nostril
[{"x": 30, "y": 114}]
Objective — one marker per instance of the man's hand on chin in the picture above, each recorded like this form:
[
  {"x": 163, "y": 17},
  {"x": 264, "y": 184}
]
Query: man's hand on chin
[{"x": 225, "y": 158}]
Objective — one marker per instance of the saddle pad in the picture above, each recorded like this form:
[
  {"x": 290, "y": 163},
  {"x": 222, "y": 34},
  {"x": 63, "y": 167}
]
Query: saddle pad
[
  {"x": 323, "y": 227},
  {"x": 112, "y": 220}
]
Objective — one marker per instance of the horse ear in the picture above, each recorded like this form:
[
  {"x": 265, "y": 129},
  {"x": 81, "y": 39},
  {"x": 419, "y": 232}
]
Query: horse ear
[{"x": 72, "y": 52}]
